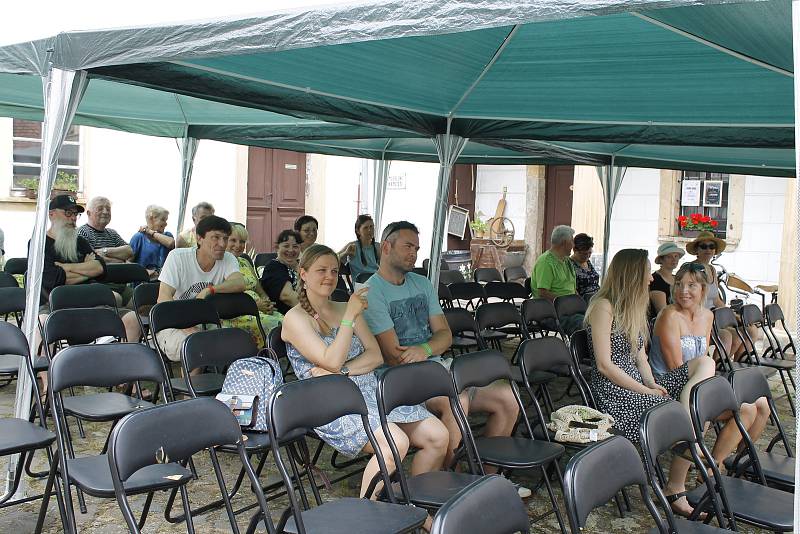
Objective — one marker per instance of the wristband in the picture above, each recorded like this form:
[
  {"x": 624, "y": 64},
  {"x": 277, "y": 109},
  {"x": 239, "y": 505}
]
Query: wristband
[
  {"x": 427, "y": 348},
  {"x": 345, "y": 322},
  {"x": 212, "y": 289}
]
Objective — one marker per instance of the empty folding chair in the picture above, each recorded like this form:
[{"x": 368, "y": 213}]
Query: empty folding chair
[
  {"x": 596, "y": 474},
  {"x": 149, "y": 449},
  {"x": 451, "y": 277},
  {"x": 417, "y": 383},
  {"x": 508, "y": 453},
  {"x": 487, "y": 274},
  {"x": 516, "y": 275},
  {"x": 18, "y": 436},
  {"x": 16, "y": 266},
  {"x": 489, "y": 506},
  {"x": 315, "y": 402},
  {"x": 12, "y": 302},
  {"x": 750, "y": 502},
  {"x": 82, "y": 296},
  {"x": 507, "y": 292},
  {"x": 232, "y": 305},
  {"x": 467, "y": 295},
  {"x": 570, "y": 309},
  {"x": 498, "y": 321},
  {"x": 667, "y": 428},
  {"x": 725, "y": 319},
  {"x": 101, "y": 366},
  {"x": 465, "y": 331},
  {"x": 749, "y": 385},
  {"x": 772, "y": 315},
  {"x": 540, "y": 318},
  {"x": 145, "y": 297}
]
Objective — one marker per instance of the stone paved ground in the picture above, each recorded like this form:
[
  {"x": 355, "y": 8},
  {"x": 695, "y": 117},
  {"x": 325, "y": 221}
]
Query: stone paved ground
[{"x": 104, "y": 517}]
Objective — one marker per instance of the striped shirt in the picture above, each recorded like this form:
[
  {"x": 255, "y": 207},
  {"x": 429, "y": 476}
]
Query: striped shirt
[{"x": 101, "y": 238}]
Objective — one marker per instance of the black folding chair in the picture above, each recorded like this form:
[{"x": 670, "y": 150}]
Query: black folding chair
[
  {"x": 666, "y": 428},
  {"x": 306, "y": 404},
  {"x": 596, "y": 474},
  {"x": 233, "y": 305},
  {"x": 186, "y": 314},
  {"x": 507, "y": 292},
  {"x": 18, "y": 436},
  {"x": 772, "y": 315},
  {"x": 12, "y": 302},
  {"x": 417, "y": 383},
  {"x": 752, "y": 503},
  {"x": 540, "y": 317},
  {"x": 508, "y": 453},
  {"x": 445, "y": 297},
  {"x": 101, "y": 366},
  {"x": 144, "y": 298},
  {"x": 516, "y": 275},
  {"x": 451, "y": 277},
  {"x": 162, "y": 440},
  {"x": 471, "y": 294},
  {"x": 264, "y": 258},
  {"x": 8, "y": 280},
  {"x": 16, "y": 265},
  {"x": 278, "y": 346},
  {"x": 82, "y": 296},
  {"x": 725, "y": 318},
  {"x": 486, "y": 274},
  {"x": 124, "y": 273},
  {"x": 340, "y": 295},
  {"x": 567, "y": 305},
  {"x": 465, "y": 331},
  {"x": 489, "y": 506},
  {"x": 749, "y": 385},
  {"x": 347, "y": 276},
  {"x": 498, "y": 321}
]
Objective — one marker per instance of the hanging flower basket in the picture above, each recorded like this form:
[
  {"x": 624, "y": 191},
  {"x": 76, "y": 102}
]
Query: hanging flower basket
[{"x": 691, "y": 225}]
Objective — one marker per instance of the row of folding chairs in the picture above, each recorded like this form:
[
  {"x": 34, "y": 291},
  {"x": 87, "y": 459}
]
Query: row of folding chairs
[{"x": 746, "y": 495}]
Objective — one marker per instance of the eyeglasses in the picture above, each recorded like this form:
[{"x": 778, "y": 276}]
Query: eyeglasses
[
  {"x": 72, "y": 213},
  {"x": 707, "y": 246}
]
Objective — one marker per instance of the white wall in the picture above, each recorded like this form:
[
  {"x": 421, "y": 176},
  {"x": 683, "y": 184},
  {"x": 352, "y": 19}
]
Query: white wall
[
  {"x": 634, "y": 218},
  {"x": 489, "y": 190}
]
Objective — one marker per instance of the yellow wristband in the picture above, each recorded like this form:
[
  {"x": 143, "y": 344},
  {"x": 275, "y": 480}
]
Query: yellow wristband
[
  {"x": 427, "y": 348},
  {"x": 345, "y": 322}
]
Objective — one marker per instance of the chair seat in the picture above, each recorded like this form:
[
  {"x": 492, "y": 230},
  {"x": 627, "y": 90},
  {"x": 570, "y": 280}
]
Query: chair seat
[
  {"x": 9, "y": 364},
  {"x": 359, "y": 516},
  {"x": 93, "y": 475},
  {"x": 493, "y": 334},
  {"x": 777, "y": 468},
  {"x": 108, "y": 406},
  {"x": 684, "y": 526},
  {"x": 205, "y": 385},
  {"x": 535, "y": 378},
  {"x": 258, "y": 441},
  {"x": 433, "y": 489},
  {"x": 517, "y": 453},
  {"x": 766, "y": 371},
  {"x": 753, "y": 503},
  {"x": 774, "y": 363},
  {"x": 463, "y": 342},
  {"x": 18, "y": 435}
]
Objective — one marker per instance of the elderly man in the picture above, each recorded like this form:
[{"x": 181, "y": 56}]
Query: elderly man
[
  {"x": 107, "y": 243},
  {"x": 195, "y": 273},
  {"x": 554, "y": 274},
  {"x": 188, "y": 238},
  {"x": 408, "y": 322}
]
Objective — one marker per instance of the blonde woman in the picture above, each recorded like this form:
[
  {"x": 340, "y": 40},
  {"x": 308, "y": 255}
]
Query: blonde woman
[
  {"x": 270, "y": 318},
  {"x": 621, "y": 379},
  {"x": 325, "y": 337}
]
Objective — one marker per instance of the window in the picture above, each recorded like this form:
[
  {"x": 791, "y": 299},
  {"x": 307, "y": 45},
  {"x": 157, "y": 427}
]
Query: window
[
  {"x": 27, "y": 140},
  {"x": 710, "y": 197}
]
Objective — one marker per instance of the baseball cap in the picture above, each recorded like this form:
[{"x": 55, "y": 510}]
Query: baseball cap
[{"x": 65, "y": 202}]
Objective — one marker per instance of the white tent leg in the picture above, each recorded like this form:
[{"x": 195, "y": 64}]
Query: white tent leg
[
  {"x": 448, "y": 148},
  {"x": 382, "y": 167},
  {"x": 796, "y": 48},
  {"x": 188, "y": 151},
  {"x": 611, "y": 178},
  {"x": 63, "y": 91}
]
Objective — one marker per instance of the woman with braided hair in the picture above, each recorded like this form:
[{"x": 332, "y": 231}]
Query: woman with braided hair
[{"x": 325, "y": 337}]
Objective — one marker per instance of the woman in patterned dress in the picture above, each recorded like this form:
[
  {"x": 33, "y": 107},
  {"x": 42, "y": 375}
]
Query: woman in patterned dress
[
  {"x": 316, "y": 348},
  {"x": 270, "y": 318}
]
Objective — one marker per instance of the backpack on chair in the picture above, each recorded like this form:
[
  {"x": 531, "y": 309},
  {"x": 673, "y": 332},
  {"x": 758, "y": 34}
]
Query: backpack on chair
[{"x": 257, "y": 376}]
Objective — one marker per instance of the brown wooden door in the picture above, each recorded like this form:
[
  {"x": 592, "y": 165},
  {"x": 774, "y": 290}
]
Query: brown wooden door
[
  {"x": 557, "y": 199},
  {"x": 462, "y": 183},
  {"x": 276, "y": 194}
]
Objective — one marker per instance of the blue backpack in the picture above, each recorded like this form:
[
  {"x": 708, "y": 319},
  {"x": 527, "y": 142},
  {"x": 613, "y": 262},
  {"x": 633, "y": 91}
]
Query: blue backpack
[{"x": 255, "y": 376}]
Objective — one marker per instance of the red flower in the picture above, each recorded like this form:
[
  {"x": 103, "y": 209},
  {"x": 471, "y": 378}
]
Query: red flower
[
  {"x": 696, "y": 217},
  {"x": 705, "y": 219},
  {"x": 714, "y": 224}
]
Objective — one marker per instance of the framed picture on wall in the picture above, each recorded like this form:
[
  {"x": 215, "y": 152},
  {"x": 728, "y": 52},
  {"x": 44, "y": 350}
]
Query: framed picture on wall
[
  {"x": 457, "y": 218},
  {"x": 712, "y": 193}
]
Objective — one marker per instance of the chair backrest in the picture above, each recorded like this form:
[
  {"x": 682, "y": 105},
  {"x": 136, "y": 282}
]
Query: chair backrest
[
  {"x": 276, "y": 343},
  {"x": 749, "y": 384},
  {"x": 233, "y": 305},
  {"x": 264, "y": 258},
  {"x": 515, "y": 274},
  {"x": 8, "y": 280},
  {"x": 487, "y": 274},
  {"x": 340, "y": 295},
  {"x": 13, "y": 342},
  {"x": 125, "y": 273},
  {"x": 460, "y": 320},
  {"x": 709, "y": 399},
  {"x": 105, "y": 366},
  {"x": 724, "y": 318},
  {"x": 569, "y": 305},
  {"x": 591, "y": 481},
  {"x": 16, "y": 265},
  {"x": 445, "y": 297},
  {"x": 363, "y": 277},
  {"x": 544, "y": 354},
  {"x": 489, "y": 505},
  {"x": 497, "y": 314},
  {"x": 751, "y": 315},
  {"x": 479, "y": 369},
  {"x": 469, "y": 291},
  {"x": 81, "y": 296},
  {"x": 12, "y": 300},
  {"x": 538, "y": 311},
  {"x": 77, "y": 326},
  {"x": 145, "y": 294},
  {"x": 170, "y": 433},
  {"x": 507, "y": 291},
  {"x": 773, "y": 313},
  {"x": 218, "y": 347},
  {"x": 182, "y": 314},
  {"x": 413, "y": 383},
  {"x": 451, "y": 277}
]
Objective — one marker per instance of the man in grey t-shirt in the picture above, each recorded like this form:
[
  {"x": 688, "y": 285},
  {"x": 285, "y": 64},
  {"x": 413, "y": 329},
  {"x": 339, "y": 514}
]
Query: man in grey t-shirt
[{"x": 408, "y": 322}]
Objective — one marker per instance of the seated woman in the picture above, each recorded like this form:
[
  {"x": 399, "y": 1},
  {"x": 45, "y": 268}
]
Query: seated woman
[
  {"x": 587, "y": 280},
  {"x": 681, "y": 336},
  {"x": 316, "y": 348},
  {"x": 667, "y": 258},
  {"x": 151, "y": 243},
  {"x": 307, "y": 227},
  {"x": 621, "y": 379},
  {"x": 363, "y": 253},
  {"x": 266, "y": 308},
  {"x": 279, "y": 279}
]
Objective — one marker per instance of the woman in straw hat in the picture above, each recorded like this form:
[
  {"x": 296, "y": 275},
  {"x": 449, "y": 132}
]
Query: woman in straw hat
[{"x": 667, "y": 258}]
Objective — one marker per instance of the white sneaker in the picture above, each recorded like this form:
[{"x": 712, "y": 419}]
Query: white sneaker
[{"x": 523, "y": 492}]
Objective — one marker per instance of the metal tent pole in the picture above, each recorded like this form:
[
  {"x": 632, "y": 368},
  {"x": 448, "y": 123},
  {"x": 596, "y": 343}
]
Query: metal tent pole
[
  {"x": 796, "y": 49},
  {"x": 188, "y": 152}
]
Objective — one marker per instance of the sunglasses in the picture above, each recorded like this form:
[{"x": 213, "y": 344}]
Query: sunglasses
[{"x": 707, "y": 246}]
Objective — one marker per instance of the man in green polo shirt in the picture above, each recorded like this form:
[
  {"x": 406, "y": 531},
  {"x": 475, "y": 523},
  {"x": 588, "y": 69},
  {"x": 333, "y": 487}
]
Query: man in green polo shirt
[{"x": 554, "y": 276}]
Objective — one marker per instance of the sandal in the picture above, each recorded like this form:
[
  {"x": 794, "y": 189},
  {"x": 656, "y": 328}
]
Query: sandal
[{"x": 672, "y": 499}]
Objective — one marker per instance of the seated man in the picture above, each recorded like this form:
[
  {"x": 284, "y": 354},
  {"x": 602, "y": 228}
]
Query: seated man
[
  {"x": 554, "y": 275},
  {"x": 107, "y": 243},
  {"x": 408, "y": 322},
  {"x": 69, "y": 259},
  {"x": 188, "y": 238},
  {"x": 191, "y": 273}
]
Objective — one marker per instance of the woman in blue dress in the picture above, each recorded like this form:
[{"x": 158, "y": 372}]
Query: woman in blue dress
[
  {"x": 326, "y": 337},
  {"x": 364, "y": 253}
]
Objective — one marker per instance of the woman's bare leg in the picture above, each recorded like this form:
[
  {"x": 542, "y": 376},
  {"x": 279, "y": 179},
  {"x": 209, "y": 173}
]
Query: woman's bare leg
[
  {"x": 699, "y": 369},
  {"x": 729, "y": 436},
  {"x": 372, "y": 468},
  {"x": 430, "y": 437}
]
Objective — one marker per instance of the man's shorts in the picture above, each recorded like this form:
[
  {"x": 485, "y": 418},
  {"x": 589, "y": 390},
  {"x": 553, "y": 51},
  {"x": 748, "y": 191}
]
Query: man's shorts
[
  {"x": 447, "y": 363},
  {"x": 171, "y": 341}
]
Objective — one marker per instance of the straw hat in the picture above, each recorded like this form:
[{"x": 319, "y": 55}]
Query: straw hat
[
  {"x": 691, "y": 246},
  {"x": 667, "y": 248}
]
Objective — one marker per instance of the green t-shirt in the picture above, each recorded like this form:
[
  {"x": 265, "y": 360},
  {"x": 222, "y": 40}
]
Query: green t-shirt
[{"x": 553, "y": 274}]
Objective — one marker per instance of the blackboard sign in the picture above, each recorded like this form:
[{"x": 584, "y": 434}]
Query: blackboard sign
[
  {"x": 457, "y": 218},
  {"x": 712, "y": 193}
]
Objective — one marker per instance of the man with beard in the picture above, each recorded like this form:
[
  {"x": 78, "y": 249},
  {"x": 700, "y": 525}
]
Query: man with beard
[{"x": 197, "y": 272}]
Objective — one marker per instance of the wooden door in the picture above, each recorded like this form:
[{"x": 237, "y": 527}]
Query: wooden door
[
  {"x": 558, "y": 199},
  {"x": 462, "y": 193},
  {"x": 276, "y": 194}
]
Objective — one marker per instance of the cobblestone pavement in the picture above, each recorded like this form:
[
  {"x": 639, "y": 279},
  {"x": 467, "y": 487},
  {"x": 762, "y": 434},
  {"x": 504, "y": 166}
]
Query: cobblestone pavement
[{"x": 103, "y": 516}]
